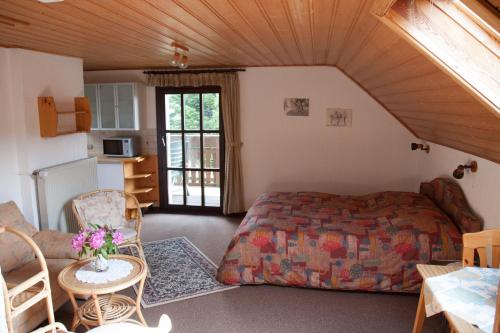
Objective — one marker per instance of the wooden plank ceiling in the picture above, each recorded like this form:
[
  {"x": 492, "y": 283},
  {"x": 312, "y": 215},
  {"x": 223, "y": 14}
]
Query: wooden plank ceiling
[{"x": 121, "y": 34}]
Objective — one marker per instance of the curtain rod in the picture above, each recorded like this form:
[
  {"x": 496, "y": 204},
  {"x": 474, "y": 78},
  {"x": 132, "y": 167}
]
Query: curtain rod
[{"x": 195, "y": 71}]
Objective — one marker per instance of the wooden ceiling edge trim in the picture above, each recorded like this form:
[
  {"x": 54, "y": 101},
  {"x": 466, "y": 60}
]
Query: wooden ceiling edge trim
[
  {"x": 462, "y": 150},
  {"x": 7, "y": 46},
  {"x": 201, "y": 67},
  {"x": 381, "y": 7},
  {"x": 377, "y": 101},
  {"x": 440, "y": 64}
]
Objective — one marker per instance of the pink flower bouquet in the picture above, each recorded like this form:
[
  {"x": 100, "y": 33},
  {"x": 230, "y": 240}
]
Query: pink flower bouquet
[{"x": 96, "y": 240}]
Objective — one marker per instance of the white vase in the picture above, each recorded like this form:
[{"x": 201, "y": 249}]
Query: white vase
[{"x": 100, "y": 263}]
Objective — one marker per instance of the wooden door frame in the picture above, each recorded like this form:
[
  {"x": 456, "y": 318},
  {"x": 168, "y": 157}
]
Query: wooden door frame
[{"x": 162, "y": 157}]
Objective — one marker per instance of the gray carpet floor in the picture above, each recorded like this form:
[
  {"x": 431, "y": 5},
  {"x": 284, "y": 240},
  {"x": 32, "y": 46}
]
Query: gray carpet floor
[{"x": 269, "y": 308}]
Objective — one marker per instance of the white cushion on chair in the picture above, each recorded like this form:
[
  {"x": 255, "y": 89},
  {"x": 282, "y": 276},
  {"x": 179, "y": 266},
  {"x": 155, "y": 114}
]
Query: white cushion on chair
[
  {"x": 128, "y": 233},
  {"x": 102, "y": 208}
]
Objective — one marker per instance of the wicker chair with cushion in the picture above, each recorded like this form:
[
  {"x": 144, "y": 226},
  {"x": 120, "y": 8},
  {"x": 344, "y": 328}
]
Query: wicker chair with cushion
[
  {"x": 109, "y": 207},
  {"x": 19, "y": 263},
  {"x": 32, "y": 293},
  {"x": 35, "y": 293}
]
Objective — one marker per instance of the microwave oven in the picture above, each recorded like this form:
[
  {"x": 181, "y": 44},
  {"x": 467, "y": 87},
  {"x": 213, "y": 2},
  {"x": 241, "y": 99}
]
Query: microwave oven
[{"x": 119, "y": 147}]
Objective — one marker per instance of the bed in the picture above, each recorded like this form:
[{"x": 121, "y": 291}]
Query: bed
[{"x": 370, "y": 243}]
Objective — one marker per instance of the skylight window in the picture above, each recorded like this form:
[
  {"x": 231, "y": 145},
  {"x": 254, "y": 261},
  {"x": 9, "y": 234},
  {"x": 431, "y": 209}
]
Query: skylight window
[
  {"x": 487, "y": 11},
  {"x": 476, "y": 19},
  {"x": 459, "y": 37}
]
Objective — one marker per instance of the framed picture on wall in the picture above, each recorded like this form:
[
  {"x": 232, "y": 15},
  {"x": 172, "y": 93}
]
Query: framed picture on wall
[
  {"x": 339, "y": 117},
  {"x": 296, "y": 106}
]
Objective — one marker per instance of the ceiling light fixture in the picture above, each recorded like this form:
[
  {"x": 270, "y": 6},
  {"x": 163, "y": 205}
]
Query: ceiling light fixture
[{"x": 180, "y": 57}]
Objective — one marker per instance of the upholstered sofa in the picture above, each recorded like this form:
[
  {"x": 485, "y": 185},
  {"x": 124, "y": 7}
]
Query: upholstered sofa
[{"x": 18, "y": 264}]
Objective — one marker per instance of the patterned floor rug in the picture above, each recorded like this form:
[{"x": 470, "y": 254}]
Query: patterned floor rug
[{"x": 179, "y": 270}]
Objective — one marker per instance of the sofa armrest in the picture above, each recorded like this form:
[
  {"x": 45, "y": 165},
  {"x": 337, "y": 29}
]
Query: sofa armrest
[{"x": 55, "y": 244}]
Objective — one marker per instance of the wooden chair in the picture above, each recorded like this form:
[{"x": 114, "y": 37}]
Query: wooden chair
[
  {"x": 112, "y": 207},
  {"x": 487, "y": 246},
  {"x": 19, "y": 298}
]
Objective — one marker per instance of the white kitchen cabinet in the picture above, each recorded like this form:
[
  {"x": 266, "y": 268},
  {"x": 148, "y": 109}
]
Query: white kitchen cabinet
[{"x": 115, "y": 106}]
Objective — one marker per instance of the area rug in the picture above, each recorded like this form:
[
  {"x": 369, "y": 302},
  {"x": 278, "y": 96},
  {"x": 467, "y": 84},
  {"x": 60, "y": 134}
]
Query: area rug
[{"x": 179, "y": 270}]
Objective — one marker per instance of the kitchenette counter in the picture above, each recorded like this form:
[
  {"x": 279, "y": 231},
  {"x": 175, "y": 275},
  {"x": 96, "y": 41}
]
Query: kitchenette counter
[
  {"x": 112, "y": 160},
  {"x": 136, "y": 175}
]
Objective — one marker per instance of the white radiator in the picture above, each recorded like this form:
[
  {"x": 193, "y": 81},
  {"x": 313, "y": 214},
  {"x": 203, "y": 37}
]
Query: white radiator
[{"x": 57, "y": 186}]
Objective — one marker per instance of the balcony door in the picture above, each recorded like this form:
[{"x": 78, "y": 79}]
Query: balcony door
[{"x": 190, "y": 148}]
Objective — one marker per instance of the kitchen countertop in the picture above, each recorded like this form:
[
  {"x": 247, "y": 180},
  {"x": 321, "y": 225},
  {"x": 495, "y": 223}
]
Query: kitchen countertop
[{"x": 110, "y": 160}]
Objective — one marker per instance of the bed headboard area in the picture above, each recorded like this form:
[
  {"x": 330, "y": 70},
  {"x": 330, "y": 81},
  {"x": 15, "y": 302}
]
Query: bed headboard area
[{"x": 448, "y": 195}]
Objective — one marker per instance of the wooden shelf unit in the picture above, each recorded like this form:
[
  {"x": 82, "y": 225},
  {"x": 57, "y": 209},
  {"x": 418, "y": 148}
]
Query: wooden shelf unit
[
  {"x": 140, "y": 190},
  {"x": 49, "y": 116},
  {"x": 141, "y": 179},
  {"x": 146, "y": 204}
]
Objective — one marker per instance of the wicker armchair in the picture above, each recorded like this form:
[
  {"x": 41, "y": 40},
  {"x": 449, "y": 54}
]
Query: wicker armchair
[
  {"x": 110, "y": 207},
  {"x": 20, "y": 262},
  {"x": 21, "y": 297}
]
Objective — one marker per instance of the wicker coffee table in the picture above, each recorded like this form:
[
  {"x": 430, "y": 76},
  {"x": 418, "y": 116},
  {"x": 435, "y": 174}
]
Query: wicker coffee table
[{"x": 104, "y": 306}]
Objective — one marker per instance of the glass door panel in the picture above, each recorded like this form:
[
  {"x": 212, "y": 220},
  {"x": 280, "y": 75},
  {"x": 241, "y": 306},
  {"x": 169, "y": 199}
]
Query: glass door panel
[
  {"x": 175, "y": 187},
  {"x": 191, "y": 111},
  {"x": 174, "y": 150},
  {"x": 125, "y": 100},
  {"x": 173, "y": 112},
  {"x": 193, "y": 187},
  {"x": 212, "y": 188},
  {"x": 107, "y": 102},
  {"x": 190, "y": 129},
  {"x": 192, "y": 150},
  {"x": 210, "y": 111},
  {"x": 211, "y": 151}
]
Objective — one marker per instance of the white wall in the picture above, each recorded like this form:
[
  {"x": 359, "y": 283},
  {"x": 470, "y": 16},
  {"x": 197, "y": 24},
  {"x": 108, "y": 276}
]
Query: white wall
[
  {"x": 285, "y": 153},
  {"x": 10, "y": 186},
  {"x": 30, "y": 75},
  {"x": 301, "y": 153},
  {"x": 482, "y": 188}
]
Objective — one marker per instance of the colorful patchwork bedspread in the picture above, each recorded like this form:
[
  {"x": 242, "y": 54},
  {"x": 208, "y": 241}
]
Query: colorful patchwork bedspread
[{"x": 320, "y": 240}]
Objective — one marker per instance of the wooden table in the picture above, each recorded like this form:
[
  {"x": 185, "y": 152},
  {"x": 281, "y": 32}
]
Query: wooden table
[
  {"x": 456, "y": 324},
  {"x": 104, "y": 306}
]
